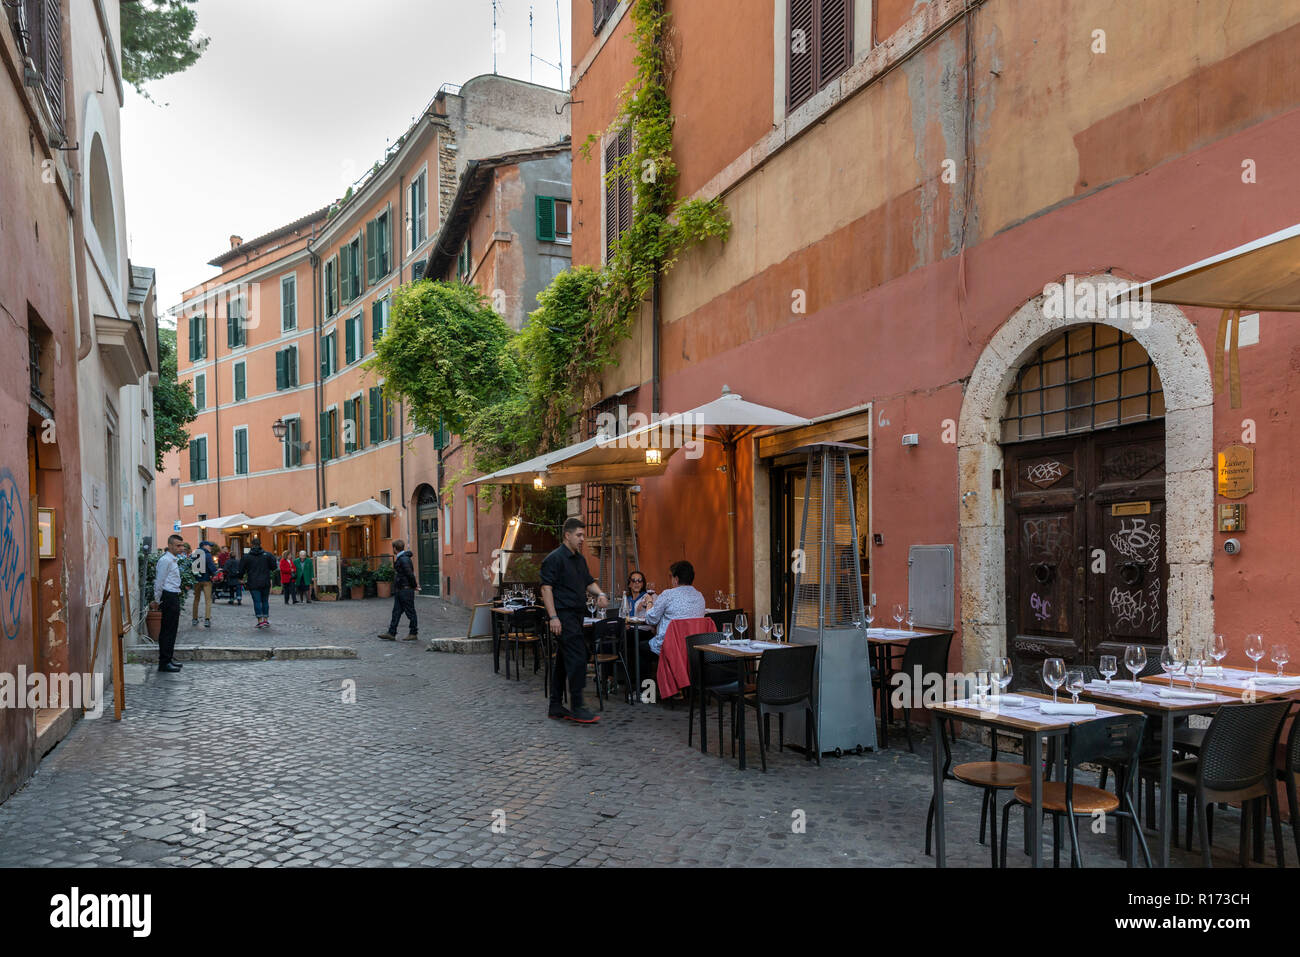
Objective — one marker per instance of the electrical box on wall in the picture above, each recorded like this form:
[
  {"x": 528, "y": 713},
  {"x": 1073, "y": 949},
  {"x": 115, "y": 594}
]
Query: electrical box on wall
[{"x": 1232, "y": 518}]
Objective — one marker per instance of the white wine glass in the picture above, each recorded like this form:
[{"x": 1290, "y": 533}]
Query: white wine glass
[
  {"x": 1281, "y": 655},
  {"x": 1001, "y": 668},
  {"x": 1170, "y": 662},
  {"x": 898, "y": 613},
  {"x": 869, "y": 615},
  {"x": 1195, "y": 670},
  {"x": 983, "y": 682},
  {"x": 1074, "y": 683},
  {"x": 911, "y": 618},
  {"x": 778, "y": 631},
  {"x": 1135, "y": 659},
  {"x": 1219, "y": 651},
  {"x": 1054, "y": 674},
  {"x": 765, "y": 626},
  {"x": 742, "y": 624},
  {"x": 1254, "y": 649},
  {"x": 726, "y": 633},
  {"x": 1107, "y": 668}
]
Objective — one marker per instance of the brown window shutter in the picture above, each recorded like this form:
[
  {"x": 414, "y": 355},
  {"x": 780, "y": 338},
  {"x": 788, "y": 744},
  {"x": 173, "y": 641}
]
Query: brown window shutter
[
  {"x": 802, "y": 40},
  {"x": 625, "y": 184},
  {"x": 834, "y": 39},
  {"x": 611, "y": 195}
]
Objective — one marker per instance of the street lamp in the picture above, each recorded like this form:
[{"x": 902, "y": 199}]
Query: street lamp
[{"x": 280, "y": 429}]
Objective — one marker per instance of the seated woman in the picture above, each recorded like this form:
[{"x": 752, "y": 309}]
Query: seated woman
[
  {"x": 636, "y": 592},
  {"x": 682, "y": 600}
]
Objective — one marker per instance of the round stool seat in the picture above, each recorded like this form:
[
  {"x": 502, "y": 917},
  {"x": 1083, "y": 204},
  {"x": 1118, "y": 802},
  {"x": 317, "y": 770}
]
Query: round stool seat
[
  {"x": 992, "y": 774},
  {"x": 1087, "y": 799}
]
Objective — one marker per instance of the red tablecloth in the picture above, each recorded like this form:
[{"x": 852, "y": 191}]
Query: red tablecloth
[{"x": 674, "y": 668}]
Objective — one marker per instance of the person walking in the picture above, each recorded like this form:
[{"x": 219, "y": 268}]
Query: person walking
[
  {"x": 288, "y": 572},
  {"x": 167, "y": 596},
  {"x": 403, "y": 593},
  {"x": 231, "y": 570},
  {"x": 305, "y": 574},
  {"x": 204, "y": 568},
  {"x": 566, "y": 583},
  {"x": 256, "y": 569}
]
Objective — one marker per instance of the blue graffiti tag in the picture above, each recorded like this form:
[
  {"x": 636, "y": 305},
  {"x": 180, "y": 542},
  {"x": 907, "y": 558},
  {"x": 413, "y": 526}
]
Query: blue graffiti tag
[{"x": 13, "y": 563}]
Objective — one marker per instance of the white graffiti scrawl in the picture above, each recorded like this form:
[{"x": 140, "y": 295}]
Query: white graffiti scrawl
[{"x": 1138, "y": 542}]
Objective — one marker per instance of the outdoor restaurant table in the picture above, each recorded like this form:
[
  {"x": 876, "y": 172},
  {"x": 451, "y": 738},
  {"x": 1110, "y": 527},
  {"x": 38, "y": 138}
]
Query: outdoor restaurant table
[
  {"x": 742, "y": 653},
  {"x": 1032, "y": 726},
  {"x": 1148, "y": 698},
  {"x": 881, "y": 643},
  {"x": 500, "y": 616}
]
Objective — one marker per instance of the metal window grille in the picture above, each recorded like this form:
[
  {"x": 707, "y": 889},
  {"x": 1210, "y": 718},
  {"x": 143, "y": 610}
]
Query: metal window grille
[
  {"x": 34, "y": 362},
  {"x": 1088, "y": 378}
]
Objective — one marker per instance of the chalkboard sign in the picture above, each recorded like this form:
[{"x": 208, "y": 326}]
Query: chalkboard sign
[{"x": 327, "y": 569}]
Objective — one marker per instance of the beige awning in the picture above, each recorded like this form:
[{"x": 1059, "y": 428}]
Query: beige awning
[
  {"x": 237, "y": 520},
  {"x": 273, "y": 519},
  {"x": 363, "y": 509}
]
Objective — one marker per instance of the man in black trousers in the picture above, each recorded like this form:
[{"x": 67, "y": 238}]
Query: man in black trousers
[
  {"x": 566, "y": 582},
  {"x": 403, "y": 594},
  {"x": 167, "y": 595}
]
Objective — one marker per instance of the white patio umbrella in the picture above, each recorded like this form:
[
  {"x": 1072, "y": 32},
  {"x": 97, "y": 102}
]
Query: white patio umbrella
[
  {"x": 224, "y": 521},
  {"x": 599, "y": 459},
  {"x": 272, "y": 519},
  {"x": 317, "y": 516},
  {"x": 364, "y": 508}
]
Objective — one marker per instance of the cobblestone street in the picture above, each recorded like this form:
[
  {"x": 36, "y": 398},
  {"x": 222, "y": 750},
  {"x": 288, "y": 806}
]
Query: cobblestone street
[{"x": 263, "y": 764}]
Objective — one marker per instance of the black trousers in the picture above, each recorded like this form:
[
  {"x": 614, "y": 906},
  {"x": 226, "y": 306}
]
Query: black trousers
[
  {"x": 403, "y": 604},
  {"x": 171, "y": 616},
  {"x": 570, "y": 660}
]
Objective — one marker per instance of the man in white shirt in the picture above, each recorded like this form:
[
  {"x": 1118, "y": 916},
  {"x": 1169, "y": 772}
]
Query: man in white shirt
[
  {"x": 682, "y": 600},
  {"x": 167, "y": 595}
]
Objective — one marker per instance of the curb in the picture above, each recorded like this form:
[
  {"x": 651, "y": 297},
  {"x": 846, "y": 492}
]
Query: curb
[
  {"x": 462, "y": 646},
  {"x": 150, "y": 655}
]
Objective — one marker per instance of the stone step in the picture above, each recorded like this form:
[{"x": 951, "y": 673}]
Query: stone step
[
  {"x": 462, "y": 646},
  {"x": 209, "y": 653}
]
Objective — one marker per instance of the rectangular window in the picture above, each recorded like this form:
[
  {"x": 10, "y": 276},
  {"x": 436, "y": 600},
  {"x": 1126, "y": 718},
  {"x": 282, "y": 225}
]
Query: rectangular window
[
  {"x": 352, "y": 434},
  {"x": 446, "y": 526},
  {"x": 199, "y": 459},
  {"x": 379, "y": 319},
  {"x": 235, "y": 332},
  {"x": 377, "y": 433},
  {"x": 601, "y": 11},
  {"x": 292, "y": 442},
  {"x": 288, "y": 303},
  {"x": 241, "y": 450},
  {"x": 464, "y": 263},
  {"x": 821, "y": 46},
  {"x": 331, "y": 285},
  {"x": 201, "y": 391},
  {"x": 352, "y": 339},
  {"x": 329, "y": 355},
  {"x": 286, "y": 368},
  {"x": 470, "y": 505},
  {"x": 37, "y": 29},
  {"x": 386, "y": 498},
  {"x": 618, "y": 189},
  {"x": 350, "y": 271},
  {"x": 553, "y": 220},
  {"x": 417, "y": 270},
  {"x": 329, "y": 430},
  {"x": 241, "y": 381},
  {"x": 419, "y": 202},
  {"x": 198, "y": 337},
  {"x": 378, "y": 246}
]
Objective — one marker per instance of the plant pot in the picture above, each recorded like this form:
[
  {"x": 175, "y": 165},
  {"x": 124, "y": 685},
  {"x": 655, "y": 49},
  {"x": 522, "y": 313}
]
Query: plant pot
[
  {"x": 357, "y": 592},
  {"x": 153, "y": 623},
  {"x": 322, "y": 595},
  {"x": 384, "y": 589}
]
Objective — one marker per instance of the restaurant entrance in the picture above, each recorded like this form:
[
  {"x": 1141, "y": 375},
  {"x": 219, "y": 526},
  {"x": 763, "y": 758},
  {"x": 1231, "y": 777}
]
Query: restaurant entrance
[
  {"x": 427, "y": 544},
  {"x": 1085, "y": 503}
]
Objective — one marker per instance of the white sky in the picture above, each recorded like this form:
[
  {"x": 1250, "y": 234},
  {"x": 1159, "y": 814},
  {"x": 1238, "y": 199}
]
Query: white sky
[{"x": 292, "y": 102}]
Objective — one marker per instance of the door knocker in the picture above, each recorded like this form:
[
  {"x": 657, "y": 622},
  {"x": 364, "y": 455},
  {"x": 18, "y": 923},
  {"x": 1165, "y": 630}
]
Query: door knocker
[
  {"x": 1043, "y": 572},
  {"x": 1132, "y": 573}
]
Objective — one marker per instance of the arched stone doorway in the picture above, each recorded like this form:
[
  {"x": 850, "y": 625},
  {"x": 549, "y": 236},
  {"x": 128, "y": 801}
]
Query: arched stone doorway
[
  {"x": 427, "y": 545},
  {"x": 1170, "y": 341}
]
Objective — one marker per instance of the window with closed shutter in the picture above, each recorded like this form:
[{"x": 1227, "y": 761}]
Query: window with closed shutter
[
  {"x": 376, "y": 416},
  {"x": 281, "y": 376},
  {"x": 241, "y": 451},
  {"x": 379, "y": 319},
  {"x": 331, "y": 286},
  {"x": 419, "y": 211},
  {"x": 325, "y": 455},
  {"x": 619, "y": 190},
  {"x": 241, "y": 381},
  {"x": 349, "y": 337},
  {"x": 200, "y": 391},
  {"x": 288, "y": 303},
  {"x": 293, "y": 443},
  {"x": 820, "y": 46},
  {"x": 601, "y": 11},
  {"x": 546, "y": 218},
  {"x": 199, "y": 459},
  {"x": 291, "y": 366}
]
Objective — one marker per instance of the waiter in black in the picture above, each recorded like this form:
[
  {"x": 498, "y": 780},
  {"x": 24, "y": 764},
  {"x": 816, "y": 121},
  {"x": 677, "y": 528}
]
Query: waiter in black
[{"x": 566, "y": 582}]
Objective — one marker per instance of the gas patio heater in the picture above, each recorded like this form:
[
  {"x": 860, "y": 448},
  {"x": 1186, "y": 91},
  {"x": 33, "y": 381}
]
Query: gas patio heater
[{"x": 828, "y": 603}]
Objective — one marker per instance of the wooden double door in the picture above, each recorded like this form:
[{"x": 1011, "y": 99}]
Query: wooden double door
[{"x": 1085, "y": 532}]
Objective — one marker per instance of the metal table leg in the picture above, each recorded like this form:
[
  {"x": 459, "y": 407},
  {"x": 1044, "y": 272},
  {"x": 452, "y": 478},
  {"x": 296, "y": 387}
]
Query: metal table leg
[
  {"x": 1166, "y": 782},
  {"x": 740, "y": 706},
  {"x": 1035, "y": 828},
  {"x": 936, "y": 723}
]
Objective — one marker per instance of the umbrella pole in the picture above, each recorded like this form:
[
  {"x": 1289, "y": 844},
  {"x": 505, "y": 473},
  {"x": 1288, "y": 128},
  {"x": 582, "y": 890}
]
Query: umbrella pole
[{"x": 730, "y": 446}]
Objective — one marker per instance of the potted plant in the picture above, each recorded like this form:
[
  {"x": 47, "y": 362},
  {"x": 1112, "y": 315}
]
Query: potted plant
[
  {"x": 384, "y": 575},
  {"x": 354, "y": 578}
]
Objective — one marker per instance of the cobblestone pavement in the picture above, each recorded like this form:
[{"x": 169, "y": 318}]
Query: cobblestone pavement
[{"x": 278, "y": 770}]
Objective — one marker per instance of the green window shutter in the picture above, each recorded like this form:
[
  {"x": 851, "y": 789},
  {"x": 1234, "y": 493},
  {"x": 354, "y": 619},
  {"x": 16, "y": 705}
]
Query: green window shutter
[
  {"x": 349, "y": 341},
  {"x": 203, "y": 458},
  {"x": 324, "y": 436},
  {"x": 385, "y": 237},
  {"x": 546, "y": 218},
  {"x": 291, "y": 366},
  {"x": 295, "y": 441},
  {"x": 372, "y": 251},
  {"x": 230, "y": 331},
  {"x": 241, "y": 453},
  {"x": 241, "y": 381},
  {"x": 359, "y": 417},
  {"x": 194, "y": 460},
  {"x": 194, "y": 343},
  {"x": 376, "y": 424},
  {"x": 200, "y": 391},
  {"x": 281, "y": 378},
  {"x": 377, "y": 321}
]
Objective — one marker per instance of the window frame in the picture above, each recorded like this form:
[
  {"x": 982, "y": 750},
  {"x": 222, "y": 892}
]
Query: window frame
[
  {"x": 197, "y": 441},
  {"x": 819, "y": 80},
  {"x": 200, "y": 377},
  {"x": 235, "y": 368},
  {"x": 617, "y": 191},
  {"x": 418, "y": 232},
  {"x": 248, "y": 450},
  {"x": 291, "y": 455},
  {"x": 290, "y": 280},
  {"x": 236, "y": 323}
]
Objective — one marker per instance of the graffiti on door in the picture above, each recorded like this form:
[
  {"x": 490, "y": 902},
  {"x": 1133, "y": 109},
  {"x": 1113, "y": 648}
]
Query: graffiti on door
[{"x": 13, "y": 555}]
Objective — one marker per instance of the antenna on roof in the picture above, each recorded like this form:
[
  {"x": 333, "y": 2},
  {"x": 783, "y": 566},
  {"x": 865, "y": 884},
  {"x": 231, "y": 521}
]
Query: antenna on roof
[{"x": 496, "y": 42}]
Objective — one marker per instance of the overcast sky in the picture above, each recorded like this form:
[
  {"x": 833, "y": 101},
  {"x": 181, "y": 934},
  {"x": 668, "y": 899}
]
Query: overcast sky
[{"x": 291, "y": 103}]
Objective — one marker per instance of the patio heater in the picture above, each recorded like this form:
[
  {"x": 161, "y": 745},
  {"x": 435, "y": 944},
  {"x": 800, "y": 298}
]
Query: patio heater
[
  {"x": 828, "y": 601},
  {"x": 617, "y": 543}
]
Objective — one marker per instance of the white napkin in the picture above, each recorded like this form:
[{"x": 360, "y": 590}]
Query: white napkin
[
  {"x": 1101, "y": 685},
  {"x": 1010, "y": 700},
  {"x": 1063, "y": 707},
  {"x": 1186, "y": 695},
  {"x": 1275, "y": 680}
]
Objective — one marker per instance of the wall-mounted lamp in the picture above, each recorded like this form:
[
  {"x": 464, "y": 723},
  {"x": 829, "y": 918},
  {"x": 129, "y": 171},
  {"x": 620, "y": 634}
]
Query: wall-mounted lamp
[
  {"x": 653, "y": 457},
  {"x": 539, "y": 483},
  {"x": 912, "y": 438}
]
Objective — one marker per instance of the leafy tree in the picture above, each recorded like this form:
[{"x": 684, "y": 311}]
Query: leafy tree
[
  {"x": 173, "y": 402},
  {"x": 159, "y": 39}
]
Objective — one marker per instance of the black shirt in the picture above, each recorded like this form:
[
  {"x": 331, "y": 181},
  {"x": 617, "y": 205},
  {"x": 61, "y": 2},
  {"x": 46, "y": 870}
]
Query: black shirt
[
  {"x": 403, "y": 572},
  {"x": 567, "y": 574}
]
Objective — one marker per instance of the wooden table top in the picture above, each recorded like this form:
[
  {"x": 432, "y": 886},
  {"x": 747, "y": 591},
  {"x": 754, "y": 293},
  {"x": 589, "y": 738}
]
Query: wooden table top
[
  {"x": 1235, "y": 690},
  {"x": 882, "y": 638},
  {"x": 1146, "y": 700},
  {"x": 733, "y": 652},
  {"x": 499, "y": 610},
  {"x": 1023, "y": 722}
]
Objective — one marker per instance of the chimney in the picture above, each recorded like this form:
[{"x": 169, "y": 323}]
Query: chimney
[{"x": 236, "y": 241}]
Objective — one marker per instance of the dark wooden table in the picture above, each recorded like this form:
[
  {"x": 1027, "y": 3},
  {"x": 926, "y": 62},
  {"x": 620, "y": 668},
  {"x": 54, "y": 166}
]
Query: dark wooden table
[
  {"x": 884, "y": 644},
  {"x": 742, "y": 657},
  {"x": 500, "y": 617}
]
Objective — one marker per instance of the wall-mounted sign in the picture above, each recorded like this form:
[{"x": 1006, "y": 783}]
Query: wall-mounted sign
[
  {"x": 1236, "y": 471},
  {"x": 1232, "y": 518},
  {"x": 176, "y": 525},
  {"x": 45, "y": 532}
]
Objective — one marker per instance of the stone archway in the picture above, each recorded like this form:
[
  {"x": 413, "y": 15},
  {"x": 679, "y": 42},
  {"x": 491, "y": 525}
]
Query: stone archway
[{"x": 1171, "y": 342}]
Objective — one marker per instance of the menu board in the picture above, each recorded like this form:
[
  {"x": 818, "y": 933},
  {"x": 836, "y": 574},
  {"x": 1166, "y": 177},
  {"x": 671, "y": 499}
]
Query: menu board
[{"x": 327, "y": 569}]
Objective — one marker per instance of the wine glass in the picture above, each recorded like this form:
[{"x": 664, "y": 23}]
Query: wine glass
[
  {"x": 1219, "y": 651},
  {"x": 778, "y": 631},
  {"x": 1281, "y": 655},
  {"x": 1255, "y": 650},
  {"x": 869, "y": 615},
  {"x": 1195, "y": 670},
  {"x": 652, "y": 589},
  {"x": 1002, "y": 673},
  {"x": 1054, "y": 674},
  {"x": 591, "y": 607},
  {"x": 742, "y": 624},
  {"x": 765, "y": 626},
  {"x": 983, "y": 681},
  {"x": 1171, "y": 662},
  {"x": 1108, "y": 667},
  {"x": 898, "y": 613},
  {"x": 911, "y": 618},
  {"x": 726, "y": 633},
  {"x": 717, "y": 597},
  {"x": 1074, "y": 683},
  {"x": 1135, "y": 659}
]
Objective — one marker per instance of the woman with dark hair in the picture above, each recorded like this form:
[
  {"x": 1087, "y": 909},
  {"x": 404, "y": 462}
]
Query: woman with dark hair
[{"x": 636, "y": 587}]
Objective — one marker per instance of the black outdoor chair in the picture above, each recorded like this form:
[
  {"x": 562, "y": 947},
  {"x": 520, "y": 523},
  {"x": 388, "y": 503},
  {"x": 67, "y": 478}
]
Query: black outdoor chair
[
  {"x": 718, "y": 679},
  {"x": 1236, "y": 764},
  {"x": 1114, "y": 743},
  {"x": 931, "y": 654},
  {"x": 784, "y": 686},
  {"x": 727, "y": 617},
  {"x": 1291, "y": 774},
  {"x": 607, "y": 652},
  {"x": 521, "y": 631}
]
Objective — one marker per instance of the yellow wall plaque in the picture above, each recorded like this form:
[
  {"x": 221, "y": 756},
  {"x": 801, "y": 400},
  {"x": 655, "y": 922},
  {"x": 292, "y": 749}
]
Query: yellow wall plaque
[{"x": 1236, "y": 471}]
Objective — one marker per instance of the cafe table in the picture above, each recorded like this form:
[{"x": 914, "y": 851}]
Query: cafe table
[
  {"x": 501, "y": 615},
  {"x": 742, "y": 652},
  {"x": 1163, "y": 706},
  {"x": 1023, "y": 719},
  {"x": 884, "y": 644}
]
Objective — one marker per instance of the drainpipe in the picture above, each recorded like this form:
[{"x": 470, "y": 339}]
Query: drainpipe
[
  {"x": 654, "y": 348},
  {"x": 216, "y": 395},
  {"x": 78, "y": 205},
  {"x": 315, "y": 366},
  {"x": 401, "y": 449}
]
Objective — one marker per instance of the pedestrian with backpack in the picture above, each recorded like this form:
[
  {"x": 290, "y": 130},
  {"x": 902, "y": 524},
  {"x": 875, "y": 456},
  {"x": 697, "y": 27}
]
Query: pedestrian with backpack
[{"x": 204, "y": 568}]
